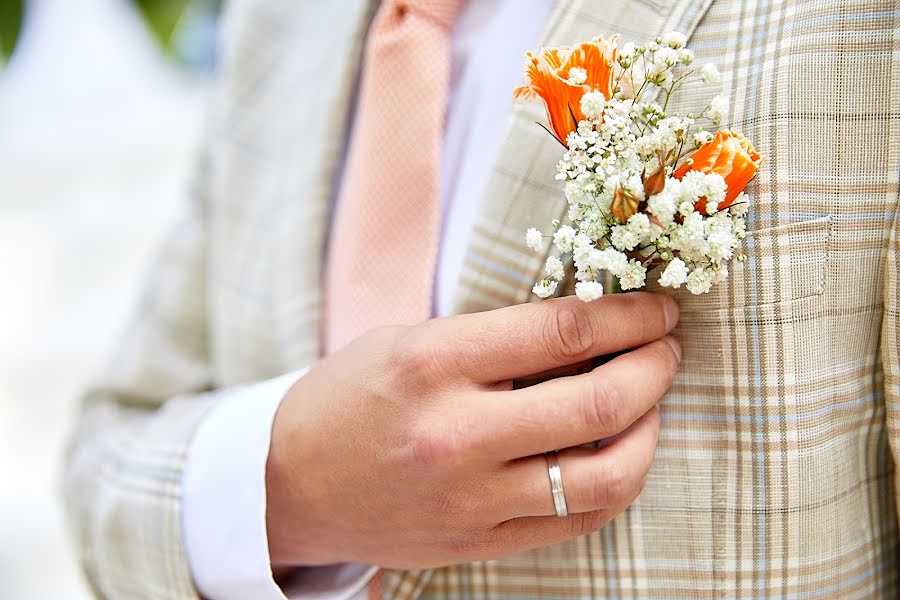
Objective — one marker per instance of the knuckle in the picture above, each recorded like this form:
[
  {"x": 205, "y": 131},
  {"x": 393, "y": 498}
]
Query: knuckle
[
  {"x": 569, "y": 332},
  {"x": 603, "y": 411},
  {"x": 416, "y": 356},
  {"x": 614, "y": 487},
  {"x": 647, "y": 315},
  {"x": 467, "y": 543},
  {"x": 663, "y": 356},
  {"x": 585, "y": 523},
  {"x": 445, "y": 445}
]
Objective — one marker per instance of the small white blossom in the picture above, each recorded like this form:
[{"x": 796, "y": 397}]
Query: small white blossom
[
  {"x": 721, "y": 243},
  {"x": 624, "y": 238},
  {"x": 544, "y": 288},
  {"x": 577, "y": 76},
  {"x": 613, "y": 261},
  {"x": 699, "y": 281},
  {"x": 593, "y": 104},
  {"x": 686, "y": 56},
  {"x": 720, "y": 275},
  {"x": 582, "y": 240},
  {"x": 668, "y": 57},
  {"x": 588, "y": 290},
  {"x": 710, "y": 74},
  {"x": 718, "y": 109},
  {"x": 675, "y": 39},
  {"x": 627, "y": 50},
  {"x": 640, "y": 225},
  {"x": 563, "y": 238},
  {"x": 534, "y": 239},
  {"x": 675, "y": 274},
  {"x": 554, "y": 268},
  {"x": 740, "y": 206},
  {"x": 702, "y": 137},
  {"x": 662, "y": 207},
  {"x": 634, "y": 277}
]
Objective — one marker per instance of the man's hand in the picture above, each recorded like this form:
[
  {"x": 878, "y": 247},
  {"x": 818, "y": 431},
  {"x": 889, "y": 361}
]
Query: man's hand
[{"x": 410, "y": 448}]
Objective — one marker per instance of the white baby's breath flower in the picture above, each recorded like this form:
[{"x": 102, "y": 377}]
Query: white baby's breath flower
[
  {"x": 544, "y": 288},
  {"x": 675, "y": 274},
  {"x": 577, "y": 76},
  {"x": 720, "y": 243},
  {"x": 710, "y": 74},
  {"x": 627, "y": 50},
  {"x": 675, "y": 39},
  {"x": 610, "y": 259},
  {"x": 667, "y": 56},
  {"x": 582, "y": 240},
  {"x": 702, "y": 137},
  {"x": 718, "y": 109},
  {"x": 640, "y": 225},
  {"x": 740, "y": 206},
  {"x": 624, "y": 238},
  {"x": 715, "y": 188},
  {"x": 659, "y": 73},
  {"x": 685, "y": 208},
  {"x": 554, "y": 268},
  {"x": 711, "y": 207},
  {"x": 588, "y": 290},
  {"x": 699, "y": 281},
  {"x": 534, "y": 239},
  {"x": 592, "y": 104},
  {"x": 563, "y": 238},
  {"x": 686, "y": 56},
  {"x": 663, "y": 205},
  {"x": 634, "y": 277},
  {"x": 719, "y": 275}
]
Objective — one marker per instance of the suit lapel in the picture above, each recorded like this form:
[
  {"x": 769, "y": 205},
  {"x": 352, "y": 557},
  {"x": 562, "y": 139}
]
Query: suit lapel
[
  {"x": 292, "y": 78},
  {"x": 499, "y": 270}
]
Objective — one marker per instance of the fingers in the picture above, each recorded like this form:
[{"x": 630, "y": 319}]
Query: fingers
[
  {"x": 531, "y": 338},
  {"x": 576, "y": 410},
  {"x": 584, "y": 366},
  {"x": 604, "y": 479}
]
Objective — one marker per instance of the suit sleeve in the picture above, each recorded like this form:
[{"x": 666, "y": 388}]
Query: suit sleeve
[
  {"x": 890, "y": 343},
  {"x": 123, "y": 472}
]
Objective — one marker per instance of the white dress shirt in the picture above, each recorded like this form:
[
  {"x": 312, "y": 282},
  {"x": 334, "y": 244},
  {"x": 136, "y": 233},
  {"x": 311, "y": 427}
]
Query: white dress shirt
[{"x": 224, "y": 478}]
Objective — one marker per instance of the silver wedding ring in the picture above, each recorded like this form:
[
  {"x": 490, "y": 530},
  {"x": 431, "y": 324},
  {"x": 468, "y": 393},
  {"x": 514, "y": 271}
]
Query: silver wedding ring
[{"x": 556, "y": 485}]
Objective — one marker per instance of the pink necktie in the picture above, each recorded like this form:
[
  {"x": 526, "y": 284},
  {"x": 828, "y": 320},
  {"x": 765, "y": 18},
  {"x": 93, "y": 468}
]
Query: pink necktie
[{"x": 383, "y": 246}]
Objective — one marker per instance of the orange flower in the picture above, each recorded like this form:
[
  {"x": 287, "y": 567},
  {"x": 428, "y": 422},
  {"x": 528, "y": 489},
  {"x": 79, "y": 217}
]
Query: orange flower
[
  {"x": 550, "y": 76},
  {"x": 729, "y": 154}
]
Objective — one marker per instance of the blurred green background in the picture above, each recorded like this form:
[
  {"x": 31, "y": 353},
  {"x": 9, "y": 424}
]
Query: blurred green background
[
  {"x": 103, "y": 104},
  {"x": 162, "y": 17},
  {"x": 10, "y": 23}
]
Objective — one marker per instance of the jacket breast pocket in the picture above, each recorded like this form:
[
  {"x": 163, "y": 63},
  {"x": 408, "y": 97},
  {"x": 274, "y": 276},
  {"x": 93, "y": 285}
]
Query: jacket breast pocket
[{"x": 785, "y": 265}]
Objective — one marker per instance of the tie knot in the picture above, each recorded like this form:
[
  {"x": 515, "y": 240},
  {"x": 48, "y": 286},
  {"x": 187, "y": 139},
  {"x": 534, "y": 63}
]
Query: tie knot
[{"x": 441, "y": 11}]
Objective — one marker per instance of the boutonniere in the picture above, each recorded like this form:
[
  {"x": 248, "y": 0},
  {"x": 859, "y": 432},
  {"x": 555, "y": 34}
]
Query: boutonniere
[{"x": 646, "y": 188}]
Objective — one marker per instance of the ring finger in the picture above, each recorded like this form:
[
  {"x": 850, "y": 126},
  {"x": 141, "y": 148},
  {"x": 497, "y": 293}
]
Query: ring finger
[{"x": 593, "y": 479}]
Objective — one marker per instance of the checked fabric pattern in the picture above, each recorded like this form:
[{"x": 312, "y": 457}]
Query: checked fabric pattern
[{"x": 775, "y": 473}]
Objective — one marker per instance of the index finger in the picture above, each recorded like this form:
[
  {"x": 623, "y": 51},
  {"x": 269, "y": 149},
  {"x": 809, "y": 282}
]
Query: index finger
[{"x": 522, "y": 340}]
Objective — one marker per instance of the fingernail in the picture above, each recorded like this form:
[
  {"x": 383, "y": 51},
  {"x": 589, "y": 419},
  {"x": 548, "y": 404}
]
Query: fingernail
[
  {"x": 672, "y": 311},
  {"x": 675, "y": 345}
]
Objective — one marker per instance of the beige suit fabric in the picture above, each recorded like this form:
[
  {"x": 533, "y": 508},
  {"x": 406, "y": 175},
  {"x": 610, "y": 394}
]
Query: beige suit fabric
[{"x": 775, "y": 472}]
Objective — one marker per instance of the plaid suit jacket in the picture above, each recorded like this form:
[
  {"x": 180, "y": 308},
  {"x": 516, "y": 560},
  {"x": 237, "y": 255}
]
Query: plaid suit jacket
[{"x": 775, "y": 471}]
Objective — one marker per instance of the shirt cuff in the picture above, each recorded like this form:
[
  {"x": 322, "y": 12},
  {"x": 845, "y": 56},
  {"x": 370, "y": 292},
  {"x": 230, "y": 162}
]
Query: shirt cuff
[{"x": 224, "y": 505}]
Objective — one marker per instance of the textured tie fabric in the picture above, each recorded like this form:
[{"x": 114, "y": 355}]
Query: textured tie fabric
[{"x": 383, "y": 247}]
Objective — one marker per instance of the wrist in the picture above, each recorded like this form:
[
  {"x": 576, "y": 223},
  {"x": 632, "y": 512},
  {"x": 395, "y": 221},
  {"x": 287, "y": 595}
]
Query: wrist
[{"x": 293, "y": 520}]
